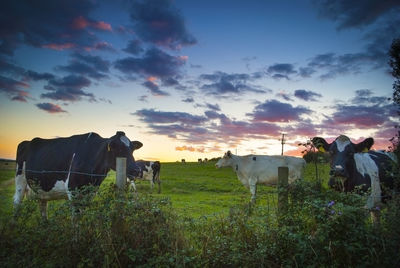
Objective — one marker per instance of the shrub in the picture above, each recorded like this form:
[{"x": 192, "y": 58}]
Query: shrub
[{"x": 111, "y": 231}]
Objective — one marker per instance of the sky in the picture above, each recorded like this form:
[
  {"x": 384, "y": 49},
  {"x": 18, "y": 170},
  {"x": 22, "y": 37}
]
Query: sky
[{"x": 193, "y": 79}]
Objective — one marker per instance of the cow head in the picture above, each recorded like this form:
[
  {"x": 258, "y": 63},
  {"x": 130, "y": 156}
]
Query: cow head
[
  {"x": 342, "y": 151},
  {"x": 225, "y": 161},
  {"x": 120, "y": 146}
]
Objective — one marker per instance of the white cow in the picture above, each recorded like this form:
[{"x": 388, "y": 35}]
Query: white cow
[{"x": 253, "y": 169}]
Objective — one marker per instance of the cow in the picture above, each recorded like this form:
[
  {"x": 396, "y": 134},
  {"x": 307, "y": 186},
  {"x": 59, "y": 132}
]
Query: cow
[
  {"x": 356, "y": 167},
  {"x": 53, "y": 169},
  {"x": 150, "y": 171},
  {"x": 263, "y": 169}
]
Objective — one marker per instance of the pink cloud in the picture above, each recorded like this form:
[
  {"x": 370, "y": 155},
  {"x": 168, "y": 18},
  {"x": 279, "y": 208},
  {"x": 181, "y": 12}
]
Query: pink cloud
[
  {"x": 59, "y": 47},
  {"x": 101, "y": 25},
  {"x": 80, "y": 23},
  {"x": 189, "y": 148}
]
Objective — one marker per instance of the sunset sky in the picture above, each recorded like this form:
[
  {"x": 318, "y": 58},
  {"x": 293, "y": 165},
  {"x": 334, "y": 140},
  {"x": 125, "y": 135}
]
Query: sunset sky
[{"x": 193, "y": 79}]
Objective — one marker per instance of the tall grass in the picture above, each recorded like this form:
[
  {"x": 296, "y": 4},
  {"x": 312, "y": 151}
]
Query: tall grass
[{"x": 321, "y": 228}]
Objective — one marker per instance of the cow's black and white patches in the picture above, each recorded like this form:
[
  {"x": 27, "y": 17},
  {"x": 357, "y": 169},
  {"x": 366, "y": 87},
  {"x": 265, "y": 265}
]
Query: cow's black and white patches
[
  {"x": 52, "y": 168},
  {"x": 150, "y": 171},
  {"x": 359, "y": 169}
]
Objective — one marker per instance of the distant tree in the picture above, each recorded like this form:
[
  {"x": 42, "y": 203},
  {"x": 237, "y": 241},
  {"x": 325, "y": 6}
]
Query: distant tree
[{"x": 394, "y": 62}]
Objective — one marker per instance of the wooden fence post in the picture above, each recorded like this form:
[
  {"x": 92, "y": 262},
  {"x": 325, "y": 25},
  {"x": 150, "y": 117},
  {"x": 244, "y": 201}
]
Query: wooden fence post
[
  {"x": 120, "y": 172},
  {"x": 283, "y": 175}
]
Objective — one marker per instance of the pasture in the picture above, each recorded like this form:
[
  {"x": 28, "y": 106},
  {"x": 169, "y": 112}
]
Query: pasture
[
  {"x": 202, "y": 218},
  {"x": 195, "y": 190}
]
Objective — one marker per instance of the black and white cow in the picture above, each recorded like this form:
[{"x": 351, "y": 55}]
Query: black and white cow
[
  {"x": 355, "y": 167},
  {"x": 150, "y": 172},
  {"x": 52, "y": 169}
]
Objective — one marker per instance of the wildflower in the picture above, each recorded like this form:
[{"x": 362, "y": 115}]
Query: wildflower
[{"x": 331, "y": 204}]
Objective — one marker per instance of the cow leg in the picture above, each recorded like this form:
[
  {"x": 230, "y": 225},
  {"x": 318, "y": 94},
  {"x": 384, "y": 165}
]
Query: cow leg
[
  {"x": 43, "y": 208},
  {"x": 253, "y": 189},
  {"x": 133, "y": 185},
  {"x": 20, "y": 187}
]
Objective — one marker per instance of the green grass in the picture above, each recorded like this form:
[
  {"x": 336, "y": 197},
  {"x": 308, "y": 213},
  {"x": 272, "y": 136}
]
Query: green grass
[{"x": 195, "y": 190}]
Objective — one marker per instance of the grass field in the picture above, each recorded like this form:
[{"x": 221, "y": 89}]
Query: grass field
[{"x": 194, "y": 189}]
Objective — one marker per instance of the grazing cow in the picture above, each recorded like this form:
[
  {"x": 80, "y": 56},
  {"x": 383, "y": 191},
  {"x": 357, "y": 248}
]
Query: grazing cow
[
  {"x": 253, "y": 169},
  {"x": 53, "y": 168},
  {"x": 354, "y": 166},
  {"x": 150, "y": 172}
]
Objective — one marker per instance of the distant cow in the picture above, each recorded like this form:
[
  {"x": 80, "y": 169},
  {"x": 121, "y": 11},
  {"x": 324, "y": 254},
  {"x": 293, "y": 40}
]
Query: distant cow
[
  {"x": 354, "y": 165},
  {"x": 150, "y": 172},
  {"x": 254, "y": 169},
  {"x": 53, "y": 168}
]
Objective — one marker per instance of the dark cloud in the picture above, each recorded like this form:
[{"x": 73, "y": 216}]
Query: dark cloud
[
  {"x": 275, "y": 111},
  {"x": 154, "y": 62},
  {"x": 155, "y": 89},
  {"x": 87, "y": 65},
  {"x": 12, "y": 89},
  {"x": 306, "y": 95},
  {"x": 365, "y": 96},
  {"x": 284, "y": 96},
  {"x": 48, "y": 23},
  {"x": 355, "y": 13},
  {"x": 159, "y": 117},
  {"x": 213, "y": 127},
  {"x": 359, "y": 116},
  {"x": 382, "y": 20},
  {"x": 161, "y": 23},
  {"x": 68, "y": 88},
  {"x": 281, "y": 70},
  {"x": 228, "y": 84},
  {"x": 50, "y": 108},
  {"x": 363, "y": 111},
  {"x": 188, "y": 100},
  {"x": 134, "y": 47}
]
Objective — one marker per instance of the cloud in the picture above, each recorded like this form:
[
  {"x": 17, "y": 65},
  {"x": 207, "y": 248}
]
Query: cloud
[
  {"x": 160, "y": 23},
  {"x": 159, "y": 117},
  {"x": 154, "y": 88},
  {"x": 47, "y": 23},
  {"x": 154, "y": 62},
  {"x": 188, "y": 100},
  {"x": 12, "y": 89},
  {"x": 306, "y": 95},
  {"x": 363, "y": 111},
  {"x": 50, "y": 108},
  {"x": 355, "y": 14},
  {"x": 134, "y": 47},
  {"x": 360, "y": 116},
  {"x": 379, "y": 21},
  {"x": 281, "y": 70},
  {"x": 87, "y": 65},
  {"x": 365, "y": 96},
  {"x": 68, "y": 88},
  {"x": 224, "y": 84},
  {"x": 189, "y": 148},
  {"x": 275, "y": 111}
]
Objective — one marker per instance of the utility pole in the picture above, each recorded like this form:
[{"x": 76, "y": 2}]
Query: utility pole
[{"x": 283, "y": 141}]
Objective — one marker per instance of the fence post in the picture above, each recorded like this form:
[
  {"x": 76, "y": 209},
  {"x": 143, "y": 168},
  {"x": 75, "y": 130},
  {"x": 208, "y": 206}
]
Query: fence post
[
  {"x": 120, "y": 172},
  {"x": 283, "y": 175}
]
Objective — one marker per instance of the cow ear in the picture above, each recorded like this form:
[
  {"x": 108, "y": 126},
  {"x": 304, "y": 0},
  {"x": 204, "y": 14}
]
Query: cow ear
[
  {"x": 136, "y": 145},
  {"x": 365, "y": 145},
  {"x": 321, "y": 144},
  {"x": 120, "y": 133}
]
